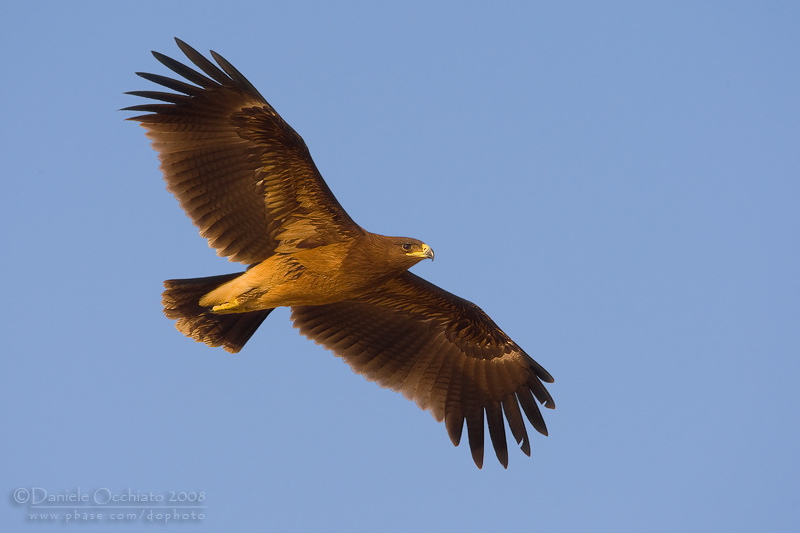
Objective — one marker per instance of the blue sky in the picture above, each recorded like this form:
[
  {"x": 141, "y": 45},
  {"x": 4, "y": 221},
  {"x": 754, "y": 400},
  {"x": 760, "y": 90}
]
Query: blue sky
[{"x": 616, "y": 184}]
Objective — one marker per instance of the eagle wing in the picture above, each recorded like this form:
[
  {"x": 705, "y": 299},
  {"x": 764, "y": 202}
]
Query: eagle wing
[
  {"x": 238, "y": 170},
  {"x": 441, "y": 351}
]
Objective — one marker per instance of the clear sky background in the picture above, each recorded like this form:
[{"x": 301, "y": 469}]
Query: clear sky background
[{"x": 617, "y": 184}]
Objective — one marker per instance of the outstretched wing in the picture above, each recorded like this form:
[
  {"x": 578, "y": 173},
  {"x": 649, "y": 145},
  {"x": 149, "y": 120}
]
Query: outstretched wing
[
  {"x": 441, "y": 351},
  {"x": 241, "y": 173}
]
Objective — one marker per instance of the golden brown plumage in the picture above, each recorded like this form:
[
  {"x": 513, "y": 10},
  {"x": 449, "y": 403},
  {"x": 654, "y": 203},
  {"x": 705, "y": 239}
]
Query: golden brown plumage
[{"x": 247, "y": 180}]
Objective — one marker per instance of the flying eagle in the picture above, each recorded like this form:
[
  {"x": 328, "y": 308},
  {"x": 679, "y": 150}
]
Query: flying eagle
[{"x": 247, "y": 181}]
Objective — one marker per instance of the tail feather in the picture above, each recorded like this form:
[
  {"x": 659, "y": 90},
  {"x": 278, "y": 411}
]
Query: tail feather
[{"x": 231, "y": 331}]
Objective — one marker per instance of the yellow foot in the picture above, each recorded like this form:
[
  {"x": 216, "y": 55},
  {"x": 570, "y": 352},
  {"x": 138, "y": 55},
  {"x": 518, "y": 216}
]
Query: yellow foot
[{"x": 226, "y": 307}]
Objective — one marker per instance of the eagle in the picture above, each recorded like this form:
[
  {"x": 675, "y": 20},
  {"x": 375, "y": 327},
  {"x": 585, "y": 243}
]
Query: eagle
[{"x": 246, "y": 179}]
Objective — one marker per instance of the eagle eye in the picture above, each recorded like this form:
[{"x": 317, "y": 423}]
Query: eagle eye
[{"x": 407, "y": 246}]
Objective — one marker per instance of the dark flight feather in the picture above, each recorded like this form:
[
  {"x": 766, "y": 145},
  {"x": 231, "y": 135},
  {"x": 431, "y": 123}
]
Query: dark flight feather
[{"x": 409, "y": 328}]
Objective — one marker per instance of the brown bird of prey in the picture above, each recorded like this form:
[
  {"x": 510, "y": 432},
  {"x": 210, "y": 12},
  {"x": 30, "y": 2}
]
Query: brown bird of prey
[{"x": 247, "y": 181}]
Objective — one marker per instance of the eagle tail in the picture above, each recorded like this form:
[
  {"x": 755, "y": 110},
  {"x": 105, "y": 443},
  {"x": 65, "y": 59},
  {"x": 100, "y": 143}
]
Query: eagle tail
[{"x": 231, "y": 331}]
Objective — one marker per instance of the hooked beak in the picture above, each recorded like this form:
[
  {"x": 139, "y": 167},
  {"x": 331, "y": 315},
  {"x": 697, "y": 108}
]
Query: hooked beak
[{"x": 425, "y": 253}]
